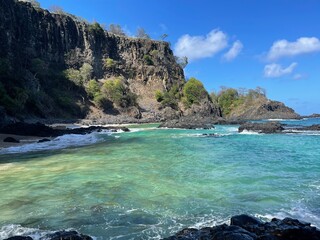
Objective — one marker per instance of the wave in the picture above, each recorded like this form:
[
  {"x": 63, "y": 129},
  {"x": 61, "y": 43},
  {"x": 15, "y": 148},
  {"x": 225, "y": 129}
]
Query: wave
[
  {"x": 65, "y": 141},
  {"x": 299, "y": 212},
  {"x": 303, "y": 132},
  {"x": 17, "y": 230},
  {"x": 246, "y": 132}
]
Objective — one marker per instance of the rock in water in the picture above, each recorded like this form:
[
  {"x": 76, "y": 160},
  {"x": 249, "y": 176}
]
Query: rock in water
[
  {"x": 19, "y": 238},
  {"x": 11, "y": 140},
  {"x": 244, "y": 227},
  {"x": 268, "y": 127},
  {"x": 67, "y": 235}
]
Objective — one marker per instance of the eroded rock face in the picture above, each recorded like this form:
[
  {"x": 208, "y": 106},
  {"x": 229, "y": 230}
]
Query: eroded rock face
[
  {"x": 63, "y": 41},
  {"x": 244, "y": 227}
]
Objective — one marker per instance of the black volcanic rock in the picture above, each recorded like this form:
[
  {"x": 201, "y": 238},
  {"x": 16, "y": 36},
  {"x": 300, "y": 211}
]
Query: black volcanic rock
[
  {"x": 67, "y": 235},
  {"x": 11, "y": 140},
  {"x": 41, "y": 130},
  {"x": 268, "y": 127},
  {"x": 244, "y": 227},
  {"x": 190, "y": 122},
  {"x": 19, "y": 238}
]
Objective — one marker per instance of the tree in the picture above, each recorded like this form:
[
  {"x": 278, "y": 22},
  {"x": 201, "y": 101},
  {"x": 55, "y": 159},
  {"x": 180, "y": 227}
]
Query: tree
[
  {"x": 227, "y": 98},
  {"x": 86, "y": 72},
  {"x": 116, "y": 29},
  {"x": 193, "y": 92},
  {"x": 141, "y": 33}
]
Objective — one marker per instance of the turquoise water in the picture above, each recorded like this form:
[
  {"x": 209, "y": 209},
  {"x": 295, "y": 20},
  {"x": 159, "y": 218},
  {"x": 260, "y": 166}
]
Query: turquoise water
[{"x": 151, "y": 183}]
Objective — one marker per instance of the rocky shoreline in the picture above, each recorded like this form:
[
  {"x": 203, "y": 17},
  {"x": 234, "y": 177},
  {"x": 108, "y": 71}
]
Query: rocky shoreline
[
  {"x": 242, "y": 227},
  {"x": 275, "y": 127}
]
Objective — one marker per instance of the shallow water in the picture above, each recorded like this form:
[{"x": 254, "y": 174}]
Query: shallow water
[{"x": 151, "y": 183}]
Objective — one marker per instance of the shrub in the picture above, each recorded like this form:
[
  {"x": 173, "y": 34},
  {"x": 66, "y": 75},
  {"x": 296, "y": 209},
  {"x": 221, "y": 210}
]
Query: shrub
[
  {"x": 169, "y": 98},
  {"x": 102, "y": 102},
  {"x": 81, "y": 76},
  {"x": 93, "y": 88},
  {"x": 193, "y": 92},
  {"x": 96, "y": 29},
  {"x": 86, "y": 72},
  {"x": 159, "y": 96},
  {"x": 154, "y": 53},
  {"x": 147, "y": 59},
  {"x": 109, "y": 63},
  {"x": 116, "y": 91}
]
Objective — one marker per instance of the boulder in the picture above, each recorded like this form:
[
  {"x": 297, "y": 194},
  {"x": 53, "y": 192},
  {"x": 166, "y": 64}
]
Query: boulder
[
  {"x": 268, "y": 127},
  {"x": 11, "y": 140},
  {"x": 67, "y": 235}
]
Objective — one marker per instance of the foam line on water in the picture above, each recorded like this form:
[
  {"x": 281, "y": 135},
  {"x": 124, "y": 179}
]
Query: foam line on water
[{"x": 65, "y": 141}]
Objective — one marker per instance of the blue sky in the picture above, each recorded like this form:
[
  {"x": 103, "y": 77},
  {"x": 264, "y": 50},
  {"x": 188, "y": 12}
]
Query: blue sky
[{"x": 274, "y": 44}]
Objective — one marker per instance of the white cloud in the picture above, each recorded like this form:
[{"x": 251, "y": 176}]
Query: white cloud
[
  {"x": 233, "y": 51},
  {"x": 276, "y": 70},
  {"x": 283, "y": 48},
  {"x": 196, "y": 47}
]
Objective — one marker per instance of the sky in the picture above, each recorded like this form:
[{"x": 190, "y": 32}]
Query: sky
[{"x": 274, "y": 44}]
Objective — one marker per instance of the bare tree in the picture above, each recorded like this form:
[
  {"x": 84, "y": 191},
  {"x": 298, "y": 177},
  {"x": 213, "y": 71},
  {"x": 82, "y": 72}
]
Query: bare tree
[
  {"x": 56, "y": 9},
  {"x": 116, "y": 29},
  {"x": 141, "y": 33},
  {"x": 163, "y": 36}
]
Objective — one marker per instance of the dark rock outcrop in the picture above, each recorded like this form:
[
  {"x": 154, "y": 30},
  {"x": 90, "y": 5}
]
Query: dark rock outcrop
[
  {"x": 190, "y": 122},
  {"x": 11, "y": 140},
  {"x": 41, "y": 130},
  {"x": 268, "y": 127},
  {"x": 244, "y": 227},
  {"x": 19, "y": 238},
  {"x": 67, "y": 235},
  {"x": 61, "y": 235}
]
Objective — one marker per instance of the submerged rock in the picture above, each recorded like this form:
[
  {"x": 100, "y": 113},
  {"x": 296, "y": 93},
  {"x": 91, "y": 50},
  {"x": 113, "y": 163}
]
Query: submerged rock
[
  {"x": 11, "y": 140},
  {"x": 244, "y": 227},
  {"x": 268, "y": 127}
]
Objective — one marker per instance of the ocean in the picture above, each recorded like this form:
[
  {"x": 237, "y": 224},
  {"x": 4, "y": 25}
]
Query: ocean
[{"x": 150, "y": 183}]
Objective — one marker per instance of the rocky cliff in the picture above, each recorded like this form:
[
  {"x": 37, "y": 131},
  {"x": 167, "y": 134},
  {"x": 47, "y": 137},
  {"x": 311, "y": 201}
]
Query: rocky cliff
[{"x": 48, "y": 59}]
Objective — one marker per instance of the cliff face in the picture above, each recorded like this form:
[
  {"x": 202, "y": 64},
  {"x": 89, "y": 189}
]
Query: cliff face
[{"x": 38, "y": 46}]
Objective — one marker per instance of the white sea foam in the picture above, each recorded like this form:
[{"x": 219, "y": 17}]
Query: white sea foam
[
  {"x": 246, "y": 132},
  {"x": 17, "y": 230},
  {"x": 65, "y": 141},
  {"x": 299, "y": 212},
  {"x": 11, "y": 230},
  {"x": 302, "y": 132}
]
